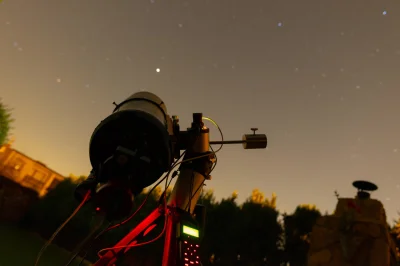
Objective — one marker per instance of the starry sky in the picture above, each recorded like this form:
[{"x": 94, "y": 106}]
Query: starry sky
[{"x": 319, "y": 77}]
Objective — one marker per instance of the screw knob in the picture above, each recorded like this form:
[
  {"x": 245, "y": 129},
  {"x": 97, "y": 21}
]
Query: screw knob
[{"x": 254, "y": 129}]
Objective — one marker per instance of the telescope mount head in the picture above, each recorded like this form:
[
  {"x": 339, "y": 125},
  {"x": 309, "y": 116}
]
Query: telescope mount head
[{"x": 364, "y": 188}]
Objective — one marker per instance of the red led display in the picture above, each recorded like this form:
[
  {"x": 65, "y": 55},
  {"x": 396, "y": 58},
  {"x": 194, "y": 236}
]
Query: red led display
[{"x": 190, "y": 252}]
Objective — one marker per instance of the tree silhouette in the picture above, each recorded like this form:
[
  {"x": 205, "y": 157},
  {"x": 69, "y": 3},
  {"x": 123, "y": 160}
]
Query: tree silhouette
[
  {"x": 298, "y": 227},
  {"x": 260, "y": 229},
  {"x": 251, "y": 230},
  {"x": 395, "y": 234},
  {"x": 5, "y": 123}
]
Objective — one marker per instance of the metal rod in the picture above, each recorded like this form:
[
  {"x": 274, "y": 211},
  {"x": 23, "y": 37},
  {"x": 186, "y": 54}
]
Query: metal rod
[{"x": 232, "y": 142}]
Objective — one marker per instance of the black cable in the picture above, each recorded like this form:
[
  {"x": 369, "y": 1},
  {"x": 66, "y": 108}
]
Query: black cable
[
  {"x": 149, "y": 193},
  {"x": 136, "y": 211},
  {"x": 216, "y": 159},
  {"x": 163, "y": 196},
  {"x": 108, "y": 228},
  {"x": 191, "y": 191},
  {"x": 174, "y": 174},
  {"x": 202, "y": 183},
  {"x": 144, "y": 201},
  {"x": 123, "y": 222},
  {"x": 92, "y": 243},
  {"x": 198, "y": 188},
  {"x": 84, "y": 242},
  {"x": 167, "y": 184}
]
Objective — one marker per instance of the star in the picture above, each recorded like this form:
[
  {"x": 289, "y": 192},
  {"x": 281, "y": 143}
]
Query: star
[
  {"x": 158, "y": 70},
  {"x": 58, "y": 80}
]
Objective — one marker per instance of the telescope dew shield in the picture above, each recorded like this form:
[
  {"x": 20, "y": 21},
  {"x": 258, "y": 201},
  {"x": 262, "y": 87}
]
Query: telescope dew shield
[{"x": 140, "y": 124}]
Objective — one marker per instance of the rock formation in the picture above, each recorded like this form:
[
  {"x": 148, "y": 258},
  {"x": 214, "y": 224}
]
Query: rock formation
[{"x": 357, "y": 234}]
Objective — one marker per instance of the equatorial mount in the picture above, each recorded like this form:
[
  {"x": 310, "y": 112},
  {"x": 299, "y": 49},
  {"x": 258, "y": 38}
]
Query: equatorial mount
[
  {"x": 363, "y": 188},
  {"x": 130, "y": 150}
]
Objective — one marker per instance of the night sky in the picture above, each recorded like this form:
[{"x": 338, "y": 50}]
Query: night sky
[{"x": 319, "y": 77}]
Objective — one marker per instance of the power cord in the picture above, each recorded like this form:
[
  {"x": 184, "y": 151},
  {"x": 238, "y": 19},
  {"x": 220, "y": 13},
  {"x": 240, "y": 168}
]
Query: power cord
[
  {"x": 91, "y": 244},
  {"x": 165, "y": 207},
  {"x": 85, "y": 199},
  {"x": 148, "y": 194},
  {"x": 135, "y": 244},
  {"x": 97, "y": 226},
  {"x": 143, "y": 243},
  {"x": 123, "y": 222}
]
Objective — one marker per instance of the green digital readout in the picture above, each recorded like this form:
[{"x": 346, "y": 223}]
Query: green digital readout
[{"x": 190, "y": 231}]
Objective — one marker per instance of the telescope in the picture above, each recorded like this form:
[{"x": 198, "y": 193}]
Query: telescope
[{"x": 130, "y": 150}]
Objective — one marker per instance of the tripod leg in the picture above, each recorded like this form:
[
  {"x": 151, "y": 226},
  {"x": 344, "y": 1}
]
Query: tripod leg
[
  {"x": 110, "y": 257},
  {"x": 170, "y": 244}
]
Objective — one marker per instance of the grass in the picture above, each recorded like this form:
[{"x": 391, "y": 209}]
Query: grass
[{"x": 20, "y": 248}]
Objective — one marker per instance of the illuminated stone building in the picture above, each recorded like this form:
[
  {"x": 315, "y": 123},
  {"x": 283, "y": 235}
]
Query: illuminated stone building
[{"x": 26, "y": 171}]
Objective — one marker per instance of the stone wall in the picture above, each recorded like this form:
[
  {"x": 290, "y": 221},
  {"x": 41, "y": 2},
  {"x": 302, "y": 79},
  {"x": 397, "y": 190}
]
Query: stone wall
[{"x": 355, "y": 235}]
